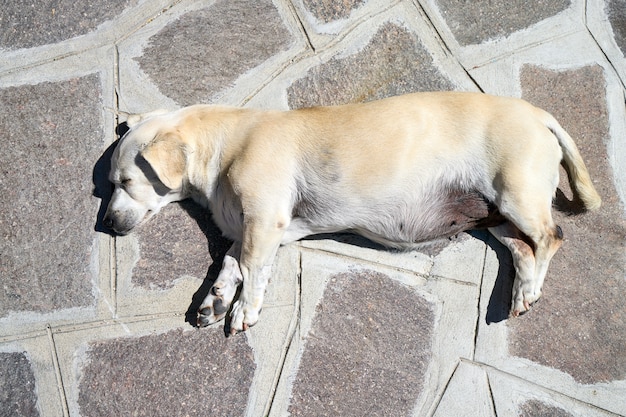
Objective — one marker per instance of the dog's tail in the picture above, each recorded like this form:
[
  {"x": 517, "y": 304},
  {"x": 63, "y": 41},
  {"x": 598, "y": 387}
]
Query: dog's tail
[{"x": 575, "y": 166}]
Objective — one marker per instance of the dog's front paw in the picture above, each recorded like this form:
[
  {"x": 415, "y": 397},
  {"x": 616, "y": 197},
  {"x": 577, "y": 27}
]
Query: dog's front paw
[
  {"x": 215, "y": 305},
  {"x": 524, "y": 296},
  {"x": 243, "y": 316}
]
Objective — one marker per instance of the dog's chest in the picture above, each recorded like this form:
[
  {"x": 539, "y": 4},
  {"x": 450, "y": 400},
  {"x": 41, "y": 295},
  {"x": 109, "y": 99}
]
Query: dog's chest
[{"x": 227, "y": 211}]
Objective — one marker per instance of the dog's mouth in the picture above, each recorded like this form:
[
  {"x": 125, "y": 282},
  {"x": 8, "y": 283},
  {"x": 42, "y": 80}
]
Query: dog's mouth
[{"x": 127, "y": 231}]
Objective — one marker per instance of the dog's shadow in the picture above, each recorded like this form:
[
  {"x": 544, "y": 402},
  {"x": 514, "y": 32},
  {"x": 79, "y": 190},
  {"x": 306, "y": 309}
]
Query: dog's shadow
[
  {"x": 218, "y": 246},
  {"x": 499, "y": 303}
]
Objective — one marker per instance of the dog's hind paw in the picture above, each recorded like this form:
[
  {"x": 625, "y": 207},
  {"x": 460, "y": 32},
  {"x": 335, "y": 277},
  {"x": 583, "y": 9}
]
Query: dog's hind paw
[{"x": 522, "y": 302}]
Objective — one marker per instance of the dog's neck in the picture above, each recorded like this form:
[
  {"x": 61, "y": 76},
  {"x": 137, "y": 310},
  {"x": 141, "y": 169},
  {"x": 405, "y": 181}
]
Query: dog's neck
[{"x": 222, "y": 132}]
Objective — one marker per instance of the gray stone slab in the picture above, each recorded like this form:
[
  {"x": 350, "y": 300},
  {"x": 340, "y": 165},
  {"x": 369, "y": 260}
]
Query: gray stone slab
[
  {"x": 181, "y": 240},
  {"x": 175, "y": 373},
  {"x": 367, "y": 351},
  {"x": 53, "y": 136},
  {"x": 479, "y": 21},
  {"x": 583, "y": 294},
  {"x": 616, "y": 10},
  {"x": 18, "y": 396},
  {"x": 26, "y": 24},
  {"x": 328, "y": 10},
  {"x": 387, "y": 66},
  {"x": 205, "y": 51}
]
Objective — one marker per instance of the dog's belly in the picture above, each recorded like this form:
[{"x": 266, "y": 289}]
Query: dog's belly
[
  {"x": 440, "y": 217},
  {"x": 402, "y": 224}
]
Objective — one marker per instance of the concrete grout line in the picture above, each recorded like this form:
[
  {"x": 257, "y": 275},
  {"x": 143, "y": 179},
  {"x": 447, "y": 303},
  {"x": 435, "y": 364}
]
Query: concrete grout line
[
  {"x": 313, "y": 51},
  {"x": 291, "y": 334},
  {"x": 442, "y": 43},
  {"x": 545, "y": 387},
  {"x": 479, "y": 306},
  {"x": 493, "y": 402},
  {"x": 294, "y": 11},
  {"x": 22, "y": 336},
  {"x": 437, "y": 400},
  {"x": 113, "y": 274},
  {"x": 426, "y": 276},
  {"x": 396, "y": 268},
  {"x": 146, "y": 22},
  {"x": 113, "y": 240},
  {"x": 595, "y": 40},
  {"x": 57, "y": 371},
  {"x": 122, "y": 321},
  {"x": 527, "y": 47}
]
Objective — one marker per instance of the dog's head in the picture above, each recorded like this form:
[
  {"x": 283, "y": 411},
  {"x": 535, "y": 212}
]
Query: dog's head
[{"x": 147, "y": 170}]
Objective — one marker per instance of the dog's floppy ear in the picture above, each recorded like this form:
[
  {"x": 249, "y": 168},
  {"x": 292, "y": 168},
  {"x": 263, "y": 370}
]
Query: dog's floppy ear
[
  {"x": 134, "y": 119},
  {"x": 167, "y": 156}
]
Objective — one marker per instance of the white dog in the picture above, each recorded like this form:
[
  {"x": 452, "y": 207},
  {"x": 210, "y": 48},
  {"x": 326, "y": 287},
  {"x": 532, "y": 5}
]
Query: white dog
[{"x": 398, "y": 171}]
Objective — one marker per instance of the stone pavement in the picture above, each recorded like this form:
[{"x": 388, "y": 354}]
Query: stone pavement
[{"x": 93, "y": 325}]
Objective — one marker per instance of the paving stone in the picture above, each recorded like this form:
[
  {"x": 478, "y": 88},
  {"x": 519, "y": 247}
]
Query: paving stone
[
  {"x": 479, "y": 21},
  {"x": 582, "y": 305},
  {"x": 47, "y": 213},
  {"x": 177, "y": 373},
  {"x": 534, "y": 408},
  {"x": 17, "y": 386},
  {"x": 367, "y": 351},
  {"x": 24, "y": 24},
  {"x": 616, "y": 9},
  {"x": 329, "y": 10},
  {"x": 181, "y": 240},
  {"x": 387, "y": 66},
  {"x": 205, "y": 51}
]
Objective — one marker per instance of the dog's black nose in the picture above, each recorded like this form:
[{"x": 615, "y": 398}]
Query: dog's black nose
[{"x": 108, "y": 222}]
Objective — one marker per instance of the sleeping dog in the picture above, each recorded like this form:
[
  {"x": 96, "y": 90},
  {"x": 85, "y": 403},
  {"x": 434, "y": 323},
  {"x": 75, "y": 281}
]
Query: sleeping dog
[{"x": 399, "y": 171}]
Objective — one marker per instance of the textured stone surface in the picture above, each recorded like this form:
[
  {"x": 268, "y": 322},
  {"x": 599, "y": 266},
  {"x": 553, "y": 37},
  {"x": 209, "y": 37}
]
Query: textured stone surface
[
  {"x": 17, "y": 386},
  {"x": 616, "y": 9},
  {"x": 46, "y": 211},
  {"x": 180, "y": 240},
  {"x": 474, "y": 22},
  {"x": 70, "y": 306},
  {"x": 534, "y": 408},
  {"x": 329, "y": 10},
  {"x": 394, "y": 62},
  {"x": 26, "y": 24},
  {"x": 367, "y": 351},
  {"x": 205, "y": 51},
  {"x": 178, "y": 373},
  {"x": 582, "y": 304}
]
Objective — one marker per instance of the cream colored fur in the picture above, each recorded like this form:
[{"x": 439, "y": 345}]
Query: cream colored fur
[{"x": 390, "y": 170}]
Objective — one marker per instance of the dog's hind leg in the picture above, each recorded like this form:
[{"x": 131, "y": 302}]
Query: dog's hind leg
[
  {"x": 221, "y": 295},
  {"x": 532, "y": 217},
  {"x": 525, "y": 286}
]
